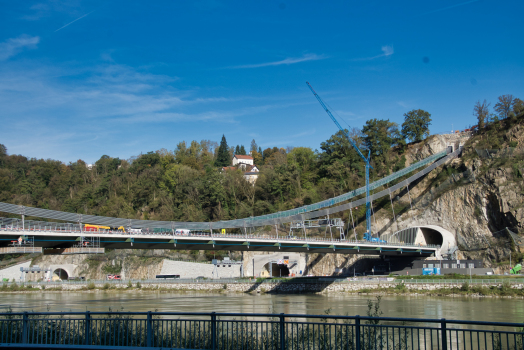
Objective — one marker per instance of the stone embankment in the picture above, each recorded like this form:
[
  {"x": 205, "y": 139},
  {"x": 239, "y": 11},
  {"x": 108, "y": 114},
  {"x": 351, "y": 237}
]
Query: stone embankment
[{"x": 253, "y": 287}]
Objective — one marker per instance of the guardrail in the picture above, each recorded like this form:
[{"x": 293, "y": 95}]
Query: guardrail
[
  {"x": 251, "y": 331},
  {"x": 306, "y": 280},
  {"x": 288, "y": 239}
]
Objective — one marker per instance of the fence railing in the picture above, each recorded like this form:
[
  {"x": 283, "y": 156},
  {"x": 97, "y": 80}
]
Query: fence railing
[
  {"x": 221, "y": 331},
  {"x": 384, "y": 281}
]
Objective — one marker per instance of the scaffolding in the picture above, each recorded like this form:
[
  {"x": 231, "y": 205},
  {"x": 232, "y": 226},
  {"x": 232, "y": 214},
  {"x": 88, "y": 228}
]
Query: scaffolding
[
  {"x": 318, "y": 223},
  {"x": 22, "y": 245},
  {"x": 85, "y": 245}
]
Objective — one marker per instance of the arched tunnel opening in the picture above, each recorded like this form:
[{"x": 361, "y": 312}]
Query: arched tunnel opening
[
  {"x": 279, "y": 270},
  {"x": 61, "y": 274},
  {"x": 432, "y": 236}
]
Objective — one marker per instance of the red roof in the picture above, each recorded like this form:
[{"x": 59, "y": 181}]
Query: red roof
[
  {"x": 239, "y": 156},
  {"x": 226, "y": 168}
]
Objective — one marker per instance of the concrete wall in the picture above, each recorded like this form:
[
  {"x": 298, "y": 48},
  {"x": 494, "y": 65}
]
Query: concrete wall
[
  {"x": 13, "y": 271},
  {"x": 193, "y": 270}
]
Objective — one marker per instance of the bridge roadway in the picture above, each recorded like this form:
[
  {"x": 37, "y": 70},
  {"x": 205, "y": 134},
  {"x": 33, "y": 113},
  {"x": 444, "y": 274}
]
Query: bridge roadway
[{"x": 207, "y": 241}]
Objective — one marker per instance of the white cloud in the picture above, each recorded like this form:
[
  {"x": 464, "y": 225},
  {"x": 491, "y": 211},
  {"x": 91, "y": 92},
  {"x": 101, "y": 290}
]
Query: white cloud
[
  {"x": 13, "y": 46},
  {"x": 73, "y": 21},
  {"x": 387, "y": 50},
  {"x": 287, "y": 61}
]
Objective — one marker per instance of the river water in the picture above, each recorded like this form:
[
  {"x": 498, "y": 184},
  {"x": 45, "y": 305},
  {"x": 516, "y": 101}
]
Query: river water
[{"x": 462, "y": 308}]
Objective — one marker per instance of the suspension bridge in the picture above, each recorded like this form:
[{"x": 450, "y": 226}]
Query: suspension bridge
[{"x": 69, "y": 236}]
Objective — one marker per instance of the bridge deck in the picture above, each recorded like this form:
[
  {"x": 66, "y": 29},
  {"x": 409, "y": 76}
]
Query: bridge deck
[{"x": 206, "y": 241}]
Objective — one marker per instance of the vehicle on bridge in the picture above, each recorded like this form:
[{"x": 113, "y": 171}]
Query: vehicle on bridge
[
  {"x": 98, "y": 228},
  {"x": 372, "y": 239}
]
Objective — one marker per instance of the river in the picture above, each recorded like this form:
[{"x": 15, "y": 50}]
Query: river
[{"x": 461, "y": 308}]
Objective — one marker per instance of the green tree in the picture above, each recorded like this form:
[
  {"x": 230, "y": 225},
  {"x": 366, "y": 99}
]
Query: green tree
[
  {"x": 242, "y": 150},
  {"x": 481, "y": 111},
  {"x": 223, "y": 158},
  {"x": 504, "y": 106},
  {"x": 3, "y": 150},
  {"x": 254, "y": 146},
  {"x": 416, "y": 125},
  {"x": 380, "y": 136},
  {"x": 518, "y": 108},
  {"x": 237, "y": 149}
]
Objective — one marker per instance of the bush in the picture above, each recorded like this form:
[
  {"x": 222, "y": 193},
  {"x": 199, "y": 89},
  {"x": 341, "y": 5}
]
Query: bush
[
  {"x": 129, "y": 284},
  {"x": 91, "y": 285},
  {"x": 106, "y": 286},
  {"x": 401, "y": 287},
  {"x": 465, "y": 286},
  {"x": 138, "y": 285}
]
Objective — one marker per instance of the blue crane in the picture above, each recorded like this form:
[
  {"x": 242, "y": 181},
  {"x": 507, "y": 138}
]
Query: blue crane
[{"x": 367, "y": 235}]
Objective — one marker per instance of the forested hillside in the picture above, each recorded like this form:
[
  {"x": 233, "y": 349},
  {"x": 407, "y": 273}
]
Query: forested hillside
[{"x": 188, "y": 184}]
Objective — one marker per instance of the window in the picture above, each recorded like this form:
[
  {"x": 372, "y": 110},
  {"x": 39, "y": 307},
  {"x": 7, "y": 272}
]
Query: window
[
  {"x": 471, "y": 266},
  {"x": 430, "y": 265},
  {"x": 445, "y": 266},
  {"x": 462, "y": 266},
  {"x": 424, "y": 266},
  {"x": 453, "y": 266}
]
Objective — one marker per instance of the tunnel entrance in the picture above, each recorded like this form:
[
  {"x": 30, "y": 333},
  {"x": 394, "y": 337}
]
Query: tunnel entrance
[
  {"x": 60, "y": 274},
  {"x": 278, "y": 270},
  {"x": 432, "y": 236}
]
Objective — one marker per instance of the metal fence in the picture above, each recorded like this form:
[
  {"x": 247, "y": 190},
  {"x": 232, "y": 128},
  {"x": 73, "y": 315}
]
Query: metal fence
[
  {"x": 385, "y": 281},
  {"x": 252, "y": 331}
]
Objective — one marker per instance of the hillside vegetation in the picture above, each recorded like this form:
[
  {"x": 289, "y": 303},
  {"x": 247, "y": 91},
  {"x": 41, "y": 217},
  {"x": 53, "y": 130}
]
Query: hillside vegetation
[{"x": 188, "y": 184}]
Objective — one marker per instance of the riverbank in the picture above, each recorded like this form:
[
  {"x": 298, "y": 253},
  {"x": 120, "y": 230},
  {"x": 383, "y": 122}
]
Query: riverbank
[{"x": 464, "y": 288}]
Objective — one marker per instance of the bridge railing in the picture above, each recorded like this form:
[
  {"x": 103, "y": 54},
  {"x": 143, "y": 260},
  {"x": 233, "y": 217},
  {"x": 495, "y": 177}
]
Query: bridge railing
[
  {"x": 251, "y": 331},
  {"x": 243, "y": 237}
]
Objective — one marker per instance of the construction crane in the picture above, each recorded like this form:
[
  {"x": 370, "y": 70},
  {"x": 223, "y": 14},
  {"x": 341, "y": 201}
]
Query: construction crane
[{"x": 367, "y": 234}]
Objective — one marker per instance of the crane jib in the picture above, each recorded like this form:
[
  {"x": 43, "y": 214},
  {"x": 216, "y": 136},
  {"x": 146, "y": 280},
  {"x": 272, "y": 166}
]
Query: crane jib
[{"x": 367, "y": 160}]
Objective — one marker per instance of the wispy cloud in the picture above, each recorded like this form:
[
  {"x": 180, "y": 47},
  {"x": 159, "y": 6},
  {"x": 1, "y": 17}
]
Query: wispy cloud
[
  {"x": 387, "y": 50},
  {"x": 13, "y": 46},
  {"x": 73, "y": 21},
  {"x": 287, "y": 61},
  {"x": 449, "y": 7}
]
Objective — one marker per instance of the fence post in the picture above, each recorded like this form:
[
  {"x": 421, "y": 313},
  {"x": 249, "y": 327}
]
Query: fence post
[
  {"x": 282, "y": 332},
  {"x": 87, "y": 331},
  {"x": 25, "y": 330},
  {"x": 444, "y": 334},
  {"x": 149, "y": 336},
  {"x": 213, "y": 331},
  {"x": 357, "y": 331}
]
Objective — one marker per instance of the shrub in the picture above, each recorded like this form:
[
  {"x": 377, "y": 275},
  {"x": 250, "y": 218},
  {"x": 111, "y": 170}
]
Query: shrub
[
  {"x": 129, "y": 284},
  {"x": 465, "y": 286},
  {"x": 106, "y": 286},
  {"x": 91, "y": 285},
  {"x": 138, "y": 285},
  {"x": 401, "y": 287}
]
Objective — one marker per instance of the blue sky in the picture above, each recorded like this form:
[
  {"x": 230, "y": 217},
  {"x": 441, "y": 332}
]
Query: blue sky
[{"x": 80, "y": 79}]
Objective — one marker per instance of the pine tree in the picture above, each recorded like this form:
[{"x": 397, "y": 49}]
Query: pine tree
[
  {"x": 237, "y": 150},
  {"x": 253, "y": 146},
  {"x": 223, "y": 154},
  {"x": 242, "y": 150}
]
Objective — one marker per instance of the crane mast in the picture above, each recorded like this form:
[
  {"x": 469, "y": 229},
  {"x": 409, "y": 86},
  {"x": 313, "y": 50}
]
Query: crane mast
[{"x": 367, "y": 235}]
